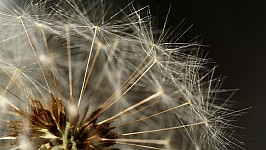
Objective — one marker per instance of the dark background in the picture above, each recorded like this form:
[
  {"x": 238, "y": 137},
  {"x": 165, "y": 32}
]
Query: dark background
[{"x": 236, "y": 34}]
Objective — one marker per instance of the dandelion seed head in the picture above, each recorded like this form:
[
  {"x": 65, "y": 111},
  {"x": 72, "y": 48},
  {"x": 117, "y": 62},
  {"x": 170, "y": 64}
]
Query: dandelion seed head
[{"x": 76, "y": 76}]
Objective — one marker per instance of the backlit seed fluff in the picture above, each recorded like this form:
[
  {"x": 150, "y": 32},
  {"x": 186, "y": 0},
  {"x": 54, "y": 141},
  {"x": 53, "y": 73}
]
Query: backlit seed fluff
[{"x": 75, "y": 76}]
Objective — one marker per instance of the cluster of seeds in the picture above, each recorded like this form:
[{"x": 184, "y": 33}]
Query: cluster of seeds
[{"x": 76, "y": 76}]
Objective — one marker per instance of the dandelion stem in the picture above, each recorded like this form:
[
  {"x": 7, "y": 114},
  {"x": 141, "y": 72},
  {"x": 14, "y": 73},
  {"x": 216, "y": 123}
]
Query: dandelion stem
[
  {"x": 49, "y": 54},
  {"x": 6, "y": 101},
  {"x": 165, "y": 129},
  {"x": 12, "y": 94},
  {"x": 96, "y": 87},
  {"x": 86, "y": 78},
  {"x": 147, "y": 141},
  {"x": 128, "y": 79},
  {"x": 110, "y": 57},
  {"x": 134, "y": 106},
  {"x": 110, "y": 101},
  {"x": 7, "y": 138},
  {"x": 167, "y": 110},
  {"x": 143, "y": 146},
  {"x": 11, "y": 80},
  {"x": 69, "y": 64},
  {"x": 33, "y": 49}
]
